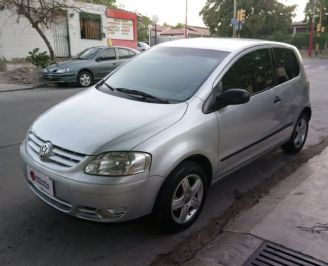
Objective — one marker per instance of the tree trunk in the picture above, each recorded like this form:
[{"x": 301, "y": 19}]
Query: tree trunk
[{"x": 43, "y": 36}]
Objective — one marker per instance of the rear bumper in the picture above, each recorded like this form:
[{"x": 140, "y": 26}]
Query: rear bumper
[{"x": 123, "y": 201}]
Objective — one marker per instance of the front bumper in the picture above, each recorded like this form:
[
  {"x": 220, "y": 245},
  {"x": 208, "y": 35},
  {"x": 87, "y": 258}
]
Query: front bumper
[
  {"x": 59, "y": 78},
  {"x": 124, "y": 200}
]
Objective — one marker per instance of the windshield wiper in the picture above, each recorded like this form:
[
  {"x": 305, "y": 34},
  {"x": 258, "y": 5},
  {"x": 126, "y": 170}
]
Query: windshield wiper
[
  {"x": 104, "y": 83},
  {"x": 142, "y": 94}
]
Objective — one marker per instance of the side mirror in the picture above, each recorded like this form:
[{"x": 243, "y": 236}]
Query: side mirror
[{"x": 231, "y": 97}]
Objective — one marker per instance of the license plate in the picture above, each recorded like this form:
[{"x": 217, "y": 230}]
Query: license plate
[
  {"x": 50, "y": 77},
  {"x": 41, "y": 181}
]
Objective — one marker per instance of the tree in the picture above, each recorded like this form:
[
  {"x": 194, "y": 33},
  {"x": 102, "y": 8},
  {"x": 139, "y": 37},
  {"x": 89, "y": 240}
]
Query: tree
[
  {"x": 143, "y": 31},
  {"x": 41, "y": 14},
  {"x": 180, "y": 26},
  {"x": 322, "y": 6},
  {"x": 263, "y": 17}
]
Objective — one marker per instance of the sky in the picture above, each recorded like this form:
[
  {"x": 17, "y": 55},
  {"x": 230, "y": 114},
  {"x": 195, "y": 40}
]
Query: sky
[{"x": 166, "y": 13}]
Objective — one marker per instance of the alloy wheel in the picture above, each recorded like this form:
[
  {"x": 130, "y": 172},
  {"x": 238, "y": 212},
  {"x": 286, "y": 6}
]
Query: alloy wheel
[
  {"x": 300, "y": 132},
  {"x": 187, "y": 199}
]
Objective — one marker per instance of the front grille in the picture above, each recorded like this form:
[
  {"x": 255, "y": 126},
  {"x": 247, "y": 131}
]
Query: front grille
[
  {"x": 272, "y": 254},
  {"x": 59, "y": 156}
]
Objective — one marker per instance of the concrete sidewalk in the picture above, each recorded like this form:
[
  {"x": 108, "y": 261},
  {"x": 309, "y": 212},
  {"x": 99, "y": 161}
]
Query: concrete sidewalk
[
  {"x": 294, "y": 215},
  {"x": 5, "y": 87}
]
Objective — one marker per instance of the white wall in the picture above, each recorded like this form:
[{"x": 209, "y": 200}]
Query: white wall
[
  {"x": 17, "y": 39},
  {"x": 78, "y": 44}
]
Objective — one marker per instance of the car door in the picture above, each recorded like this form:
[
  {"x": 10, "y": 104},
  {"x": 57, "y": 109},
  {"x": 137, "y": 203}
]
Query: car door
[
  {"x": 288, "y": 84},
  {"x": 105, "y": 62},
  {"x": 247, "y": 130},
  {"x": 124, "y": 55}
]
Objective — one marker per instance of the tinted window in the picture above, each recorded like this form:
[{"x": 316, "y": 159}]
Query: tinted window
[
  {"x": 123, "y": 53},
  {"x": 287, "y": 66},
  {"x": 171, "y": 73},
  {"x": 108, "y": 54},
  {"x": 252, "y": 72}
]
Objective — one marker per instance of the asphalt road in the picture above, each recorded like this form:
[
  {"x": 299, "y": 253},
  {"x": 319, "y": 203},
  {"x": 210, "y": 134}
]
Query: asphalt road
[{"x": 32, "y": 233}]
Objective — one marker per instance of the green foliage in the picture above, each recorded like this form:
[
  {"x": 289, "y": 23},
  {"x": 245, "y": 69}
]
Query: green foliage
[
  {"x": 39, "y": 59},
  {"x": 180, "y": 26},
  {"x": 300, "y": 40},
  {"x": 143, "y": 31},
  {"x": 263, "y": 17},
  {"x": 109, "y": 3},
  {"x": 322, "y": 6},
  {"x": 3, "y": 64}
]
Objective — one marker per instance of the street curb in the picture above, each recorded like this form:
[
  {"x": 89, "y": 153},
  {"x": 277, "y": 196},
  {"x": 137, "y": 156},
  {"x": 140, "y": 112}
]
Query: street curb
[{"x": 22, "y": 89}]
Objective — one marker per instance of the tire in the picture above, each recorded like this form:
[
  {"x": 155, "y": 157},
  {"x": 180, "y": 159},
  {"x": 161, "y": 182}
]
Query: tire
[
  {"x": 181, "y": 198},
  {"x": 85, "y": 78},
  {"x": 298, "y": 138}
]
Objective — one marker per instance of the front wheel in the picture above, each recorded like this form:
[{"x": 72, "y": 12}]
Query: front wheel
[
  {"x": 181, "y": 197},
  {"x": 298, "y": 138},
  {"x": 85, "y": 79}
]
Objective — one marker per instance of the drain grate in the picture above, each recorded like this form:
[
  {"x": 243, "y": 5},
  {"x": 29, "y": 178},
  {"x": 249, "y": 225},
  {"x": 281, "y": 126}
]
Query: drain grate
[{"x": 270, "y": 254}]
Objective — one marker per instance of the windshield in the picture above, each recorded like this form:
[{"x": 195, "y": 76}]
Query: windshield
[
  {"x": 171, "y": 73},
  {"x": 88, "y": 53}
]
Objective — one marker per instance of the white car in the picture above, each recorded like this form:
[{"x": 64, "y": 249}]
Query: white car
[{"x": 142, "y": 46}]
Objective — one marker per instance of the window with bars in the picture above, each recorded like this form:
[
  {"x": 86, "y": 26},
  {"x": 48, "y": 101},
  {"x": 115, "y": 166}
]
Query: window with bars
[{"x": 90, "y": 25}]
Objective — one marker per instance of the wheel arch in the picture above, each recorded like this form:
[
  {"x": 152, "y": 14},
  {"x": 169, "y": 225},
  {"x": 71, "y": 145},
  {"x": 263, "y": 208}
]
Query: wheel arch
[
  {"x": 87, "y": 70},
  {"x": 307, "y": 110}
]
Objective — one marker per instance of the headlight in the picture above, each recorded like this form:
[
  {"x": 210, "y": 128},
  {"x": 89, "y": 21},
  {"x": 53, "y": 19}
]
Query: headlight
[
  {"x": 62, "y": 70},
  {"x": 119, "y": 164}
]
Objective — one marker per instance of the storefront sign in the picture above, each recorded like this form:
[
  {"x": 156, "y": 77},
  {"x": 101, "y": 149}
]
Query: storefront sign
[{"x": 120, "y": 29}]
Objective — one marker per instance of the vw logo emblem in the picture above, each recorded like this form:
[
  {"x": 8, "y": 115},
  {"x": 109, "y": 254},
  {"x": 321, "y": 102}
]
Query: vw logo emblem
[{"x": 45, "y": 151}]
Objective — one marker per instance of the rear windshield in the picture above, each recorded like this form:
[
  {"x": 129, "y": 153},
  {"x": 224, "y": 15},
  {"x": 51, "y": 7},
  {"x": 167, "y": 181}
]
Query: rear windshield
[
  {"x": 88, "y": 53},
  {"x": 171, "y": 73}
]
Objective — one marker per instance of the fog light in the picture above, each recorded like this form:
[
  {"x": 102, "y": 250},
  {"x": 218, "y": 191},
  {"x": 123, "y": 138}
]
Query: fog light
[{"x": 104, "y": 214}]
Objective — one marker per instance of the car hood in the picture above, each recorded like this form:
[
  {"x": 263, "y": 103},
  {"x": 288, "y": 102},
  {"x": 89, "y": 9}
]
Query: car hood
[{"x": 93, "y": 122}]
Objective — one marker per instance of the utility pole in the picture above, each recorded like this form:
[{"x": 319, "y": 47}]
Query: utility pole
[
  {"x": 312, "y": 28},
  {"x": 186, "y": 23},
  {"x": 317, "y": 48},
  {"x": 234, "y": 16}
]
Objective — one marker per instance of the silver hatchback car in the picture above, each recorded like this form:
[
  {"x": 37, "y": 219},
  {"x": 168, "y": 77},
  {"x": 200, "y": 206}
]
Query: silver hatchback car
[{"x": 156, "y": 132}]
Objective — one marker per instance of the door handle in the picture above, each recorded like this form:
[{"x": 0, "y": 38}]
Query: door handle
[{"x": 277, "y": 99}]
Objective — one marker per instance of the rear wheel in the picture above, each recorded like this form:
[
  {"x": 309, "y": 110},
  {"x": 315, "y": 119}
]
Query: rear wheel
[
  {"x": 85, "y": 78},
  {"x": 298, "y": 138},
  {"x": 181, "y": 197}
]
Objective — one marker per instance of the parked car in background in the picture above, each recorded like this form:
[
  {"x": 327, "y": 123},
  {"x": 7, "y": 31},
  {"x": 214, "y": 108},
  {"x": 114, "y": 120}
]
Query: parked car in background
[
  {"x": 156, "y": 133},
  {"x": 89, "y": 66},
  {"x": 142, "y": 46}
]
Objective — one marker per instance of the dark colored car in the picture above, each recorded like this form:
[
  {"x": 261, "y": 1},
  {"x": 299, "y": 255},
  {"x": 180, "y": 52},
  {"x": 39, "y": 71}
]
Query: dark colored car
[{"x": 89, "y": 66}]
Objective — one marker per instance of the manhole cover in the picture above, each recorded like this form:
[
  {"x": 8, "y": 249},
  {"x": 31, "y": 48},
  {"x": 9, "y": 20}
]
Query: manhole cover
[{"x": 274, "y": 255}]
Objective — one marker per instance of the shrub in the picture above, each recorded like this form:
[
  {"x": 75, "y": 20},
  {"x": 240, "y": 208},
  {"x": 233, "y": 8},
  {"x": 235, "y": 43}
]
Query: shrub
[
  {"x": 39, "y": 59},
  {"x": 3, "y": 64}
]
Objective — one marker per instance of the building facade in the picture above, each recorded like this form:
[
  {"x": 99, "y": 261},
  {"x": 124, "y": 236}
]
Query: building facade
[{"x": 75, "y": 30}]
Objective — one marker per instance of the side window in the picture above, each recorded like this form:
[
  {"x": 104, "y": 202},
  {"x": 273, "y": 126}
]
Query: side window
[
  {"x": 108, "y": 54},
  {"x": 252, "y": 72},
  {"x": 132, "y": 54},
  {"x": 123, "y": 53},
  {"x": 287, "y": 66}
]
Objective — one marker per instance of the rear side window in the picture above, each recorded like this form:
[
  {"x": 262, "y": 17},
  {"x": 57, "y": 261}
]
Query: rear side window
[
  {"x": 252, "y": 72},
  {"x": 287, "y": 66},
  {"x": 124, "y": 53}
]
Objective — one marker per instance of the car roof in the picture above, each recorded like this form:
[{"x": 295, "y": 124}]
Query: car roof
[{"x": 221, "y": 44}]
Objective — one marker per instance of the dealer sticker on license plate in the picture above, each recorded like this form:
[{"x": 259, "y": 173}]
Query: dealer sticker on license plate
[{"x": 41, "y": 181}]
